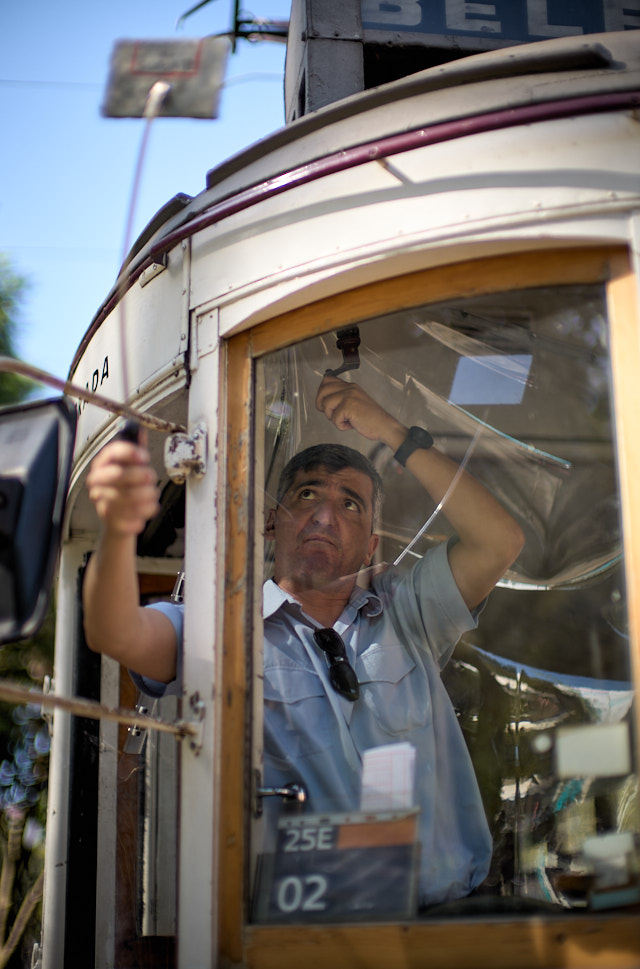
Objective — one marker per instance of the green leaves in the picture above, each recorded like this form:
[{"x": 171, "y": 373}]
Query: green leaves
[{"x": 13, "y": 387}]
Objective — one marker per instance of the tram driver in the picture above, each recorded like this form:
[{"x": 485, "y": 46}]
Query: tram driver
[{"x": 347, "y": 668}]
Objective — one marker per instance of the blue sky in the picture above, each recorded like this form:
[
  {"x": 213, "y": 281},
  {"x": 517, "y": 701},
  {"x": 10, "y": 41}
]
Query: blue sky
[{"x": 66, "y": 172}]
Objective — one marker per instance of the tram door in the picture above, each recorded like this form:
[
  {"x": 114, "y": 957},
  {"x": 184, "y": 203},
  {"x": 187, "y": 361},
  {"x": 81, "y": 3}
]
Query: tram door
[
  {"x": 520, "y": 370},
  {"x": 330, "y": 835}
]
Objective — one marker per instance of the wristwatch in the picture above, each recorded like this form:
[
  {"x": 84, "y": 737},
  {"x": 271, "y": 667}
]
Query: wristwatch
[{"x": 416, "y": 439}]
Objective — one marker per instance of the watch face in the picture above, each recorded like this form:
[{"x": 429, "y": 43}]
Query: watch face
[
  {"x": 416, "y": 438},
  {"x": 419, "y": 437}
]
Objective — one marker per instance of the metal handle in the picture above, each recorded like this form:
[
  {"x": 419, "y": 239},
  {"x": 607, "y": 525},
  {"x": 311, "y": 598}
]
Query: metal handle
[
  {"x": 291, "y": 792},
  {"x": 348, "y": 341}
]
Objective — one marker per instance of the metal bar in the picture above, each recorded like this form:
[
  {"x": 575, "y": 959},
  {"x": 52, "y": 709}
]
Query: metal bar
[
  {"x": 81, "y": 707},
  {"x": 9, "y": 365}
]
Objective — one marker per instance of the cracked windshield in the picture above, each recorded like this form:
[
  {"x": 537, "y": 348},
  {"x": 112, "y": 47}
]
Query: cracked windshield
[{"x": 443, "y": 706}]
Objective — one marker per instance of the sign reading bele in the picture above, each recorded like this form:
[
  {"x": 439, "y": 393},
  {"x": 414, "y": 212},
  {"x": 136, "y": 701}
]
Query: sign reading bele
[{"x": 481, "y": 24}]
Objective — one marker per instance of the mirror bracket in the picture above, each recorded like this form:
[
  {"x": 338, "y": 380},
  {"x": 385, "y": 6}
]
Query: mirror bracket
[{"x": 185, "y": 455}]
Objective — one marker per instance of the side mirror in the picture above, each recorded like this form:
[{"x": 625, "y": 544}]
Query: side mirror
[{"x": 36, "y": 451}]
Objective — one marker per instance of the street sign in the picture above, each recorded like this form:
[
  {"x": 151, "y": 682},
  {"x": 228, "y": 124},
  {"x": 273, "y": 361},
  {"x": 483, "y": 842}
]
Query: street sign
[{"x": 193, "y": 70}]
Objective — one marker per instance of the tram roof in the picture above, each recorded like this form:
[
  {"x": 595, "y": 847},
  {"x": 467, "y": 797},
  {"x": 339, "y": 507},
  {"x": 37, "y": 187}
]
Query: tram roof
[{"x": 567, "y": 69}]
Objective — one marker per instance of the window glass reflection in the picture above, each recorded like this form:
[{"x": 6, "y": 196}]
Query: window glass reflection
[{"x": 514, "y": 389}]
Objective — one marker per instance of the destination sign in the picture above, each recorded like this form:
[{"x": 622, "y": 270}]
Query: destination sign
[
  {"x": 337, "y": 868},
  {"x": 465, "y": 23}
]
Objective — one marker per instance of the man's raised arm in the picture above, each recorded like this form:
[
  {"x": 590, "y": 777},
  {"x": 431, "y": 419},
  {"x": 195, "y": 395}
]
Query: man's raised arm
[
  {"x": 489, "y": 538},
  {"x": 122, "y": 486}
]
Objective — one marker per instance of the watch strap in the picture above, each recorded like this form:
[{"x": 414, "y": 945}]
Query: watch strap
[{"x": 417, "y": 439}]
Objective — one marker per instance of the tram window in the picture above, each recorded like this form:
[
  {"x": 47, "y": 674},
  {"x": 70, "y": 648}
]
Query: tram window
[{"x": 514, "y": 387}]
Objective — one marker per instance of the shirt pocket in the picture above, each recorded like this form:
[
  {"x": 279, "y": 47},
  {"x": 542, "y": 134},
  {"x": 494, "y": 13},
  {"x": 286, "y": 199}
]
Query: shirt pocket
[
  {"x": 395, "y": 688},
  {"x": 298, "y": 719}
]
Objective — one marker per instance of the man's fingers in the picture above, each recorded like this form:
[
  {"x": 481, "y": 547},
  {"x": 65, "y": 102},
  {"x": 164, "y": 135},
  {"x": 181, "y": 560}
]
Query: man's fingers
[
  {"x": 348, "y": 407},
  {"x": 125, "y": 517},
  {"x": 338, "y": 413},
  {"x": 333, "y": 398},
  {"x": 123, "y": 487},
  {"x": 120, "y": 475},
  {"x": 329, "y": 387},
  {"x": 143, "y": 495},
  {"x": 129, "y": 504},
  {"x": 121, "y": 463}
]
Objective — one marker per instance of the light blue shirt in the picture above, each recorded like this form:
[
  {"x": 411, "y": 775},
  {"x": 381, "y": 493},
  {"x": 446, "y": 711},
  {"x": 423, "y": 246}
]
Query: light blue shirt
[{"x": 398, "y": 634}]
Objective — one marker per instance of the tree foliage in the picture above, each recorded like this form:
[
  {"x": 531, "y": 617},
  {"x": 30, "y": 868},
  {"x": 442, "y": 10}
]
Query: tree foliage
[
  {"x": 13, "y": 287},
  {"x": 24, "y": 761},
  {"x": 24, "y": 736}
]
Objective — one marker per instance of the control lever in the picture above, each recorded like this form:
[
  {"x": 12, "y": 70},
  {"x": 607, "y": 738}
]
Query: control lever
[
  {"x": 348, "y": 341},
  {"x": 129, "y": 432}
]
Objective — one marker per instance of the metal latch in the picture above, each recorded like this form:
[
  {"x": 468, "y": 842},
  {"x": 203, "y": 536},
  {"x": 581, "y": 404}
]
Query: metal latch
[
  {"x": 136, "y": 735},
  {"x": 190, "y": 727}
]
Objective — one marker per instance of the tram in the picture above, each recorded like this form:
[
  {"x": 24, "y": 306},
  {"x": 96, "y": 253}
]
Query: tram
[{"x": 455, "y": 225}]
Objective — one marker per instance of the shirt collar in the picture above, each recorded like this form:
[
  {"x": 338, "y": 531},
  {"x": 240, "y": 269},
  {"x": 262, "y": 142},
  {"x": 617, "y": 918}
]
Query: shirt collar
[{"x": 274, "y": 598}]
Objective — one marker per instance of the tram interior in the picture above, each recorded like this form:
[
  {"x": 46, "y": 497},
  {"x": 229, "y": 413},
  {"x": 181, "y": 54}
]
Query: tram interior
[{"x": 515, "y": 386}]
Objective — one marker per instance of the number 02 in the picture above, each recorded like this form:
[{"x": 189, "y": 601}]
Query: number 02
[{"x": 302, "y": 894}]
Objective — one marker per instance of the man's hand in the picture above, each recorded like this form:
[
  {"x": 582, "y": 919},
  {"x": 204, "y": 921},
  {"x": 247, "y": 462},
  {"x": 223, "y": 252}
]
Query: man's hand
[
  {"x": 349, "y": 407},
  {"x": 122, "y": 485},
  {"x": 489, "y": 539}
]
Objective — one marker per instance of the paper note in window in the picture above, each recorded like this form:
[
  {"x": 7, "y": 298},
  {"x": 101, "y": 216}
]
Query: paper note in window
[
  {"x": 593, "y": 750},
  {"x": 388, "y": 778}
]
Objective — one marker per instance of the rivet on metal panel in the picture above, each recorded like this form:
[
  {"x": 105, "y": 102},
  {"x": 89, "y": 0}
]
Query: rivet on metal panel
[{"x": 186, "y": 454}]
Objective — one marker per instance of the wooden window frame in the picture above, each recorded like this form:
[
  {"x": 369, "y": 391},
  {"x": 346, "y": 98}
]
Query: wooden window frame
[{"x": 497, "y": 942}]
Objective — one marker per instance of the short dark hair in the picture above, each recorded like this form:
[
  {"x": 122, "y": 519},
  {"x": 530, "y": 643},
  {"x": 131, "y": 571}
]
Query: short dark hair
[{"x": 334, "y": 457}]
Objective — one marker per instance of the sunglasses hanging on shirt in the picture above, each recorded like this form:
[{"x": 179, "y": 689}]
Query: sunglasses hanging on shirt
[{"x": 341, "y": 674}]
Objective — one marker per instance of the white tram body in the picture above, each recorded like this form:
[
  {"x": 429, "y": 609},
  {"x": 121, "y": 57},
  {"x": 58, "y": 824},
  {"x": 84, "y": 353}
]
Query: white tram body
[{"x": 508, "y": 169}]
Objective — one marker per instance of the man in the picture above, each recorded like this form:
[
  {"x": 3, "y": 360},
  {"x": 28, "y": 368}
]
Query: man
[{"x": 328, "y": 697}]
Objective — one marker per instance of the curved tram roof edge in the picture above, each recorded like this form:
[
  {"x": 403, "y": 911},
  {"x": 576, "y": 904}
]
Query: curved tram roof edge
[{"x": 505, "y": 77}]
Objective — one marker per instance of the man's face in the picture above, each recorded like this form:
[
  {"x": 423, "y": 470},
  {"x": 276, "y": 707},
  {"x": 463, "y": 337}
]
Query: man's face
[{"x": 322, "y": 528}]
